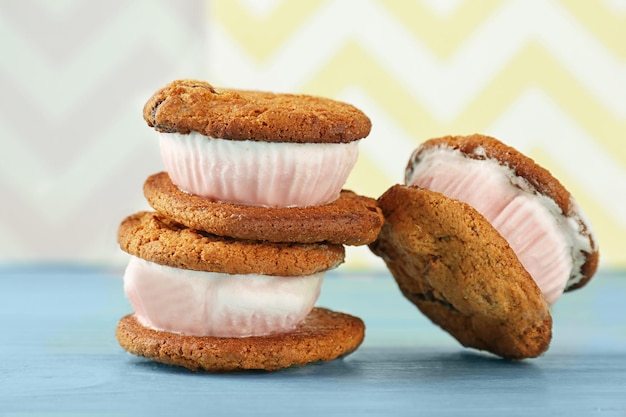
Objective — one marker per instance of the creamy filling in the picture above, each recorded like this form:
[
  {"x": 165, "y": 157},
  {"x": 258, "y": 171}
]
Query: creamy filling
[
  {"x": 258, "y": 173},
  {"x": 547, "y": 243},
  {"x": 215, "y": 304}
]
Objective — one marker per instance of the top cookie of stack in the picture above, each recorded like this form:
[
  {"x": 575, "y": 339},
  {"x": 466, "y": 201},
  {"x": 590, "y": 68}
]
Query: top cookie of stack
[{"x": 253, "y": 190}]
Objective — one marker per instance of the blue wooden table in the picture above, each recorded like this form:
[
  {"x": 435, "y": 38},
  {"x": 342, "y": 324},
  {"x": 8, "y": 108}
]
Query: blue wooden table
[{"x": 59, "y": 357}]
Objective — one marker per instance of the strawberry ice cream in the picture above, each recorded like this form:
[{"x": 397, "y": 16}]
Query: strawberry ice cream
[
  {"x": 258, "y": 173},
  {"x": 215, "y": 304},
  {"x": 547, "y": 242}
]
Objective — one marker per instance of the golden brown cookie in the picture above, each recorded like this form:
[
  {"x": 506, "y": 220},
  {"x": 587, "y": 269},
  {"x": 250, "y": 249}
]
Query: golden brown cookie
[
  {"x": 161, "y": 240},
  {"x": 189, "y": 105},
  {"x": 481, "y": 147},
  {"x": 324, "y": 335},
  {"x": 349, "y": 220},
  {"x": 461, "y": 273}
]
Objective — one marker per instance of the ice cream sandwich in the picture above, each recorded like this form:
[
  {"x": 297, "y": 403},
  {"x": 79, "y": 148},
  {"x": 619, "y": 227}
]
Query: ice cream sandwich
[
  {"x": 221, "y": 295},
  {"x": 255, "y": 148},
  {"x": 483, "y": 240}
]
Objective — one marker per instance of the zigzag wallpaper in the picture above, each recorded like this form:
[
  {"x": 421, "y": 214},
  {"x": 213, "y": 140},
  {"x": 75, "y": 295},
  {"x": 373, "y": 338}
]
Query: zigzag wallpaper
[{"x": 545, "y": 76}]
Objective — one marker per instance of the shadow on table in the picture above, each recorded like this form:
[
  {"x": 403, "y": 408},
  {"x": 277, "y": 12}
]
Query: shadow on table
[{"x": 395, "y": 364}]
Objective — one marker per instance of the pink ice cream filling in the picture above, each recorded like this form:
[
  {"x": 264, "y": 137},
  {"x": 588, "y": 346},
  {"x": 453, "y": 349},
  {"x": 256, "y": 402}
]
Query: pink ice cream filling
[
  {"x": 258, "y": 173},
  {"x": 214, "y": 304},
  {"x": 547, "y": 243}
]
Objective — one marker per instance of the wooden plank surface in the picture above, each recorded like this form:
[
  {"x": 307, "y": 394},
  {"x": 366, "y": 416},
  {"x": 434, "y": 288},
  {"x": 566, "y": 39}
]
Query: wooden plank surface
[{"x": 59, "y": 356}]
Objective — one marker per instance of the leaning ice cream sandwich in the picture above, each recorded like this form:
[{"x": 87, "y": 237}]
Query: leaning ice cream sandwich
[
  {"x": 483, "y": 240},
  {"x": 250, "y": 214}
]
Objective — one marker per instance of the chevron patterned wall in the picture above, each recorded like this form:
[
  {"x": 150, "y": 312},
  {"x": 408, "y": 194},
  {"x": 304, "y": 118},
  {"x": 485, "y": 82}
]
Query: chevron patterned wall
[
  {"x": 74, "y": 75},
  {"x": 546, "y": 76}
]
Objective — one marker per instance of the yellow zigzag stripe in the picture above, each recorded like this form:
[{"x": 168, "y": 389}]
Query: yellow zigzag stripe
[
  {"x": 532, "y": 67},
  {"x": 605, "y": 24},
  {"x": 367, "y": 178},
  {"x": 442, "y": 35},
  {"x": 262, "y": 36}
]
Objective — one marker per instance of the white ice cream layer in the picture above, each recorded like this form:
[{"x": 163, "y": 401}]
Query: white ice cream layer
[
  {"x": 214, "y": 304},
  {"x": 547, "y": 243},
  {"x": 258, "y": 173}
]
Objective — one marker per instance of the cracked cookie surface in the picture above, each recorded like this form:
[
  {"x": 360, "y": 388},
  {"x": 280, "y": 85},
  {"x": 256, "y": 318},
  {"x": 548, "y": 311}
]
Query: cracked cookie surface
[
  {"x": 350, "y": 220},
  {"x": 163, "y": 241},
  {"x": 184, "y": 106},
  {"x": 324, "y": 335},
  {"x": 461, "y": 273}
]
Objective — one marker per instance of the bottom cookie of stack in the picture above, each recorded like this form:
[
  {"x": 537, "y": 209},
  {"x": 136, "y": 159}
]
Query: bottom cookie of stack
[{"x": 324, "y": 335}]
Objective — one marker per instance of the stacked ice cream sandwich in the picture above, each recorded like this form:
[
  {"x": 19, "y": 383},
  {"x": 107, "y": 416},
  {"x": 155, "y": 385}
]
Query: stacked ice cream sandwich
[{"x": 225, "y": 273}]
